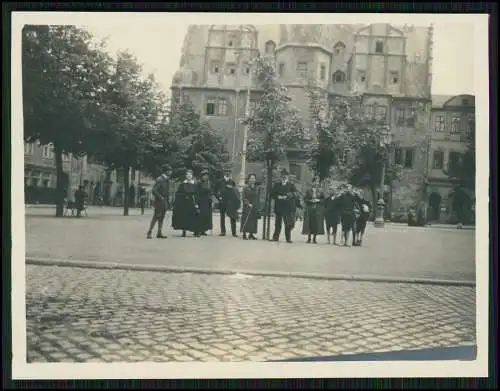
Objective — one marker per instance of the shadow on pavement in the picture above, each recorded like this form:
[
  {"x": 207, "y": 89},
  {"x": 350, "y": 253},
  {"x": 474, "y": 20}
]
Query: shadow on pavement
[{"x": 462, "y": 353}]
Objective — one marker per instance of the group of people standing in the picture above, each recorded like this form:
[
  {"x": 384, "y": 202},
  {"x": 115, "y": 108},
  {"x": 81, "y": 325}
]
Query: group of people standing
[
  {"x": 193, "y": 208},
  {"x": 193, "y": 205}
]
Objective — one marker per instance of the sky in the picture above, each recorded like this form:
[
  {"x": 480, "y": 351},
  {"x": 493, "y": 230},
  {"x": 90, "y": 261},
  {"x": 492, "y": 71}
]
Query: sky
[{"x": 158, "y": 48}]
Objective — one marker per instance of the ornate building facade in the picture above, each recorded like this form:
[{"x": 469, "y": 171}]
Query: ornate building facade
[
  {"x": 453, "y": 123},
  {"x": 384, "y": 68}
]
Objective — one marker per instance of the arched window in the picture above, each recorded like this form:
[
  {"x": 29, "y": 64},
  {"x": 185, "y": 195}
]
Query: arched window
[
  {"x": 339, "y": 48},
  {"x": 338, "y": 77},
  {"x": 270, "y": 47}
]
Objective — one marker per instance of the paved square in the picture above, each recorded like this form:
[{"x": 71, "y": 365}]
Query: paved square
[
  {"x": 394, "y": 251},
  {"x": 90, "y": 315}
]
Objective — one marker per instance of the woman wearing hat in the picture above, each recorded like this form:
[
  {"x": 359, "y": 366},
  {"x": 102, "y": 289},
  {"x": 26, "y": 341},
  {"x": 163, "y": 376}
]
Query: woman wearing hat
[
  {"x": 314, "y": 222},
  {"x": 251, "y": 209},
  {"x": 186, "y": 213},
  {"x": 205, "y": 203}
]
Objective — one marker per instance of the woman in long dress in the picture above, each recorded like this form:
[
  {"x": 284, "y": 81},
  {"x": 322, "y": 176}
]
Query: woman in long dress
[
  {"x": 251, "y": 209},
  {"x": 205, "y": 202},
  {"x": 186, "y": 213},
  {"x": 314, "y": 221}
]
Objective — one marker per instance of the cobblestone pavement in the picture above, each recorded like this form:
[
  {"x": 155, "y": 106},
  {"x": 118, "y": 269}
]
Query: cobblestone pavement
[
  {"x": 393, "y": 251},
  {"x": 90, "y": 315}
]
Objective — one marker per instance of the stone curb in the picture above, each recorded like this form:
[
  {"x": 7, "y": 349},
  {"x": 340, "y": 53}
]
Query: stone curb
[{"x": 262, "y": 273}]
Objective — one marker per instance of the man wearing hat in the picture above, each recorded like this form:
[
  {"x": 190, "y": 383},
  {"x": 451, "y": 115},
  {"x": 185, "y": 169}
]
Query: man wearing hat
[
  {"x": 229, "y": 202},
  {"x": 160, "y": 204},
  {"x": 285, "y": 197}
]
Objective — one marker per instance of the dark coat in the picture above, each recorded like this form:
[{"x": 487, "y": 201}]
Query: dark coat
[
  {"x": 251, "y": 215},
  {"x": 314, "y": 220},
  {"x": 80, "y": 196},
  {"x": 185, "y": 215},
  {"x": 332, "y": 211},
  {"x": 205, "y": 203},
  {"x": 348, "y": 203},
  {"x": 285, "y": 202},
  {"x": 229, "y": 198}
]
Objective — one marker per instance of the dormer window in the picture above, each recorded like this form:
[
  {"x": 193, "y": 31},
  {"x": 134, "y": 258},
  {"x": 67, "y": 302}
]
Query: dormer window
[
  {"x": 394, "y": 77},
  {"x": 379, "y": 47},
  {"x": 214, "y": 67},
  {"x": 339, "y": 48},
  {"x": 465, "y": 102},
  {"x": 339, "y": 77}
]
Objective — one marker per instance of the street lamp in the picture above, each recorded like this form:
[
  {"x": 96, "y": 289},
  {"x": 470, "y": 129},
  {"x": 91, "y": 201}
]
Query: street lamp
[
  {"x": 385, "y": 142},
  {"x": 245, "y": 130}
]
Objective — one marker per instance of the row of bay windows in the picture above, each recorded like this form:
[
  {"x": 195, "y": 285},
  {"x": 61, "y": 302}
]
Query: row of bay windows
[
  {"x": 301, "y": 72},
  {"x": 456, "y": 125},
  {"x": 47, "y": 150},
  {"x": 454, "y": 160}
]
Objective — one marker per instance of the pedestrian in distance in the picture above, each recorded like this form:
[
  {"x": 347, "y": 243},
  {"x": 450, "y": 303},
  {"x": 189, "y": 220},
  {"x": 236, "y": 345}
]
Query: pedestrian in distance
[
  {"x": 142, "y": 199},
  {"x": 186, "y": 211},
  {"x": 362, "y": 217},
  {"x": 314, "y": 222},
  {"x": 285, "y": 196},
  {"x": 205, "y": 193},
  {"x": 251, "y": 209},
  {"x": 161, "y": 204},
  {"x": 348, "y": 202},
  {"x": 80, "y": 197},
  {"x": 229, "y": 203}
]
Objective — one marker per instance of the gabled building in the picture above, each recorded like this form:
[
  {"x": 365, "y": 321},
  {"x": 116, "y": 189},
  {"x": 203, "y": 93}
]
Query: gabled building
[{"x": 384, "y": 68}]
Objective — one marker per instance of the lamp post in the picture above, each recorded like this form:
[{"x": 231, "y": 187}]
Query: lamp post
[{"x": 385, "y": 142}]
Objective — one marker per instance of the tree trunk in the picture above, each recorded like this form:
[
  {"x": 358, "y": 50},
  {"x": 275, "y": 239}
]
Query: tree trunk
[
  {"x": 374, "y": 197},
  {"x": 126, "y": 190},
  {"x": 268, "y": 198},
  {"x": 60, "y": 190}
]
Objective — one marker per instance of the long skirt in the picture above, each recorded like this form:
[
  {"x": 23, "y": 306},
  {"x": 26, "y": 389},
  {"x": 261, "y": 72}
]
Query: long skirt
[{"x": 249, "y": 220}]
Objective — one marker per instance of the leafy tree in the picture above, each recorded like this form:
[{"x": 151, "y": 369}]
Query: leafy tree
[
  {"x": 63, "y": 70},
  {"x": 353, "y": 146},
  {"x": 130, "y": 114},
  {"x": 195, "y": 144},
  {"x": 274, "y": 126}
]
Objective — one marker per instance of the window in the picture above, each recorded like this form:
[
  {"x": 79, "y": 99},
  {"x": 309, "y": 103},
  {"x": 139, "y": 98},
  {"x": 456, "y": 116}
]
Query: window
[
  {"x": 214, "y": 68},
  {"x": 408, "y": 163},
  {"x": 322, "y": 72},
  {"x": 410, "y": 117},
  {"x": 471, "y": 126},
  {"x": 339, "y": 48},
  {"x": 454, "y": 162},
  {"x": 45, "y": 180},
  {"x": 231, "y": 69},
  {"x": 339, "y": 77},
  {"x": 253, "y": 106},
  {"x": 400, "y": 117},
  {"x": 369, "y": 112},
  {"x": 48, "y": 151},
  {"x": 222, "y": 107},
  {"x": 246, "y": 69},
  {"x": 281, "y": 68},
  {"x": 270, "y": 45},
  {"x": 301, "y": 70},
  {"x": 455, "y": 125},
  {"x": 66, "y": 157},
  {"x": 439, "y": 123},
  {"x": 465, "y": 102},
  {"x": 381, "y": 113},
  {"x": 398, "y": 156},
  {"x": 438, "y": 160},
  {"x": 210, "y": 108},
  {"x": 379, "y": 47},
  {"x": 295, "y": 171},
  {"x": 394, "y": 77},
  {"x": 362, "y": 76}
]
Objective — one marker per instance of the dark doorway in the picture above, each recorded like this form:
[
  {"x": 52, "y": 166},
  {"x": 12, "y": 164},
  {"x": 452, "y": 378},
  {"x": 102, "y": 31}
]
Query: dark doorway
[{"x": 434, "y": 207}]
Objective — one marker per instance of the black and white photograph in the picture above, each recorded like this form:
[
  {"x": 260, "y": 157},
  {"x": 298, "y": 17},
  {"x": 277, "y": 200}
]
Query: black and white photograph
[{"x": 238, "y": 199}]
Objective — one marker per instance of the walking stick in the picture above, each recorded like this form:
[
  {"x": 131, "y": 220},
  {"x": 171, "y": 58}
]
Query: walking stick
[{"x": 245, "y": 223}]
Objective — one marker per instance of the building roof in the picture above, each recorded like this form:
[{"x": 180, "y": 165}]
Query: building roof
[{"x": 439, "y": 100}]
